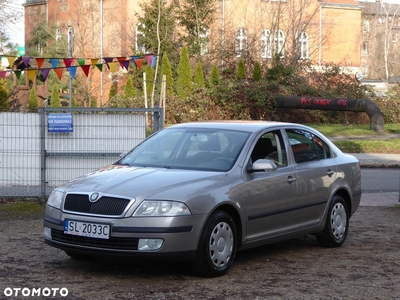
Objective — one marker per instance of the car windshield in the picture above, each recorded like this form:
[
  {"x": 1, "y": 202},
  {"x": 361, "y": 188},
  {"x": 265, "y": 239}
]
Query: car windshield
[{"x": 189, "y": 148}]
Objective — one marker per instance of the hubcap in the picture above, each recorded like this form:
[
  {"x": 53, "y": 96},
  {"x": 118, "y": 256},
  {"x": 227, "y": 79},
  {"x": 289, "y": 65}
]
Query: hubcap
[
  {"x": 221, "y": 244},
  {"x": 338, "y": 221}
]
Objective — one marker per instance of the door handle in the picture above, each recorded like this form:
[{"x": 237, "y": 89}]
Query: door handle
[
  {"x": 291, "y": 179},
  {"x": 330, "y": 172}
]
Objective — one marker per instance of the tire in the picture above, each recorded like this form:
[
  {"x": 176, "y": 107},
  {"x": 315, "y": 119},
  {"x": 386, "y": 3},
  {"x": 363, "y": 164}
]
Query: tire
[
  {"x": 217, "y": 246},
  {"x": 337, "y": 224}
]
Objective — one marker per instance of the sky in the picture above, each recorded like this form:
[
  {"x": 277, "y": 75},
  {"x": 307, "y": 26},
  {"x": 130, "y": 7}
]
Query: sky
[{"x": 16, "y": 32}]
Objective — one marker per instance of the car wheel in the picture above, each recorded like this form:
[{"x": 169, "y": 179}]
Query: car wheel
[
  {"x": 337, "y": 224},
  {"x": 217, "y": 246}
]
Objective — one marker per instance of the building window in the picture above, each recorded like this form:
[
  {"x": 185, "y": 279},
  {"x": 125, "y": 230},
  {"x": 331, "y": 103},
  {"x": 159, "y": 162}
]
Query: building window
[
  {"x": 279, "y": 43},
  {"x": 364, "y": 70},
  {"x": 204, "y": 42},
  {"x": 58, "y": 34},
  {"x": 266, "y": 44},
  {"x": 303, "y": 45},
  {"x": 139, "y": 44},
  {"x": 394, "y": 37},
  {"x": 364, "y": 48},
  {"x": 366, "y": 26},
  {"x": 241, "y": 42}
]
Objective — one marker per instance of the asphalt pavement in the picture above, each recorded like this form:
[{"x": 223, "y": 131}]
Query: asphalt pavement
[{"x": 378, "y": 160}]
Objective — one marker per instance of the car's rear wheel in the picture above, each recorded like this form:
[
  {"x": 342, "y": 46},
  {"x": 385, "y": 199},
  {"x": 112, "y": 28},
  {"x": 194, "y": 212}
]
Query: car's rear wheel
[
  {"x": 217, "y": 246},
  {"x": 337, "y": 224}
]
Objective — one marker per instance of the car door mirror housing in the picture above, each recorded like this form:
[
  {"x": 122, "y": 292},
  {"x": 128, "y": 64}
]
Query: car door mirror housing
[{"x": 262, "y": 165}]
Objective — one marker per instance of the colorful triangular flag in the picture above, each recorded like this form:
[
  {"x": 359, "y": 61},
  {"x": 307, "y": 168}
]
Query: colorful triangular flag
[
  {"x": 112, "y": 66},
  {"x": 81, "y": 61},
  {"x": 68, "y": 62},
  {"x": 45, "y": 72},
  {"x": 17, "y": 73},
  {"x": 94, "y": 61},
  {"x": 86, "y": 69},
  {"x": 11, "y": 60},
  {"x": 39, "y": 61},
  {"x": 32, "y": 74},
  {"x": 138, "y": 63},
  {"x": 149, "y": 58},
  {"x": 26, "y": 60},
  {"x": 59, "y": 72},
  {"x": 125, "y": 64},
  {"x": 100, "y": 67},
  {"x": 72, "y": 72},
  {"x": 54, "y": 62}
]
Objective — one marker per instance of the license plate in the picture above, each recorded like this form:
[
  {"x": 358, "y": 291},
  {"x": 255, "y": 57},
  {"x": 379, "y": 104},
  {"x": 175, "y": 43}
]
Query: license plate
[{"x": 87, "y": 229}]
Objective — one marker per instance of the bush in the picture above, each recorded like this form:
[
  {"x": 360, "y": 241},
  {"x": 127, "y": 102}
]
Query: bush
[
  {"x": 33, "y": 103},
  {"x": 257, "y": 72},
  {"x": 241, "y": 71}
]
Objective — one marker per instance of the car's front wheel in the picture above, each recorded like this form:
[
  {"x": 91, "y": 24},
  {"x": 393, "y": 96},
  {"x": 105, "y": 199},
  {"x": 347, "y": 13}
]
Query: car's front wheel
[
  {"x": 337, "y": 224},
  {"x": 217, "y": 246}
]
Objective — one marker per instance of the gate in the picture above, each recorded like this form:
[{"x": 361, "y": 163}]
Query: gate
[{"x": 37, "y": 155}]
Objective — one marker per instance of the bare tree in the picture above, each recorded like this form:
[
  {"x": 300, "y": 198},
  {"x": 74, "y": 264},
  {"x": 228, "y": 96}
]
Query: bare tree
[
  {"x": 10, "y": 13},
  {"x": 261, "y": 30},
  {"x": 380, "y": 48}
]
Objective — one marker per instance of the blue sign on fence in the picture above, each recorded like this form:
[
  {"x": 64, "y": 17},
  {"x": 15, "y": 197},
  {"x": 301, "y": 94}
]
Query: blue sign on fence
[{"x": 59, "y": 123}]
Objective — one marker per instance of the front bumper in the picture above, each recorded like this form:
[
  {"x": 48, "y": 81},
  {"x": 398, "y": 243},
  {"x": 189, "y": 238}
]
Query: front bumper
[{"x": 180, "y": 235}]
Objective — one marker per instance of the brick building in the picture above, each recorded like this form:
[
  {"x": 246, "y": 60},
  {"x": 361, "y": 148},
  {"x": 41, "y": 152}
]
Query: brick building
[{"x": 323, "y": 32}]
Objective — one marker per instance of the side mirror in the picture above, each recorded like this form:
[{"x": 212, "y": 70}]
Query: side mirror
[{"x": 262, "y": 165}]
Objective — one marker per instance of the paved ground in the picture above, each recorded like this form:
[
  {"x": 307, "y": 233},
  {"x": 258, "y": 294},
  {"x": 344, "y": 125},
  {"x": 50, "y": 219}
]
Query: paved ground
[{"x": 378, "y": 160}]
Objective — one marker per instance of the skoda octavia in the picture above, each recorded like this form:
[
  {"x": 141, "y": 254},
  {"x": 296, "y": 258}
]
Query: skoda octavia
[{"x": 202, "y": 191}]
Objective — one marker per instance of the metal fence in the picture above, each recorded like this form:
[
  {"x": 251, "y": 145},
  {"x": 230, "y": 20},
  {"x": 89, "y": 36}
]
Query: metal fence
[{"x": 34, "y": 159}]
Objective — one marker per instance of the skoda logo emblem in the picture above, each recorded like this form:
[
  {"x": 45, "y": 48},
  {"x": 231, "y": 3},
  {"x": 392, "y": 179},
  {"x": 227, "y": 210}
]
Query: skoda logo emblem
[{"x": 94, "y": 197}]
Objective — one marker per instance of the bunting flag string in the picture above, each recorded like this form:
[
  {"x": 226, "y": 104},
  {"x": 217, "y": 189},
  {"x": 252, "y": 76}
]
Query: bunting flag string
[{"x": 72, "y": 64}]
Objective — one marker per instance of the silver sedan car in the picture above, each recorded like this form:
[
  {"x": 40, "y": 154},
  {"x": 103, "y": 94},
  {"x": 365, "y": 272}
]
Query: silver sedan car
[{"x": 202, "y": 191}]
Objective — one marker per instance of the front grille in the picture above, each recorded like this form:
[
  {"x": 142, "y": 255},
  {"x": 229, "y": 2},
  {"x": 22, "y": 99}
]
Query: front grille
[
  {"x": 120, "y": 243},
  {"x": 107, "y": 206}
]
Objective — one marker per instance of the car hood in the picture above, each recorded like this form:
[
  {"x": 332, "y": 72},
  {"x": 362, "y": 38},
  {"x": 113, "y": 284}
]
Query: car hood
[{"x": 142, "y": 182}]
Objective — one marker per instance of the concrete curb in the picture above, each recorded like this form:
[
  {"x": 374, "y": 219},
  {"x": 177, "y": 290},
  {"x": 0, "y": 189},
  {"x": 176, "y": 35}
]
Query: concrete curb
[
  {"x": 380, "y": 199},
  {"x": 378, "y": 160}
]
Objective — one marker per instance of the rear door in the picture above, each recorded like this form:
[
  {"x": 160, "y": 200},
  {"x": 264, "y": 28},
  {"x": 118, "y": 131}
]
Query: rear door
[{"x": 316, "y": 169}]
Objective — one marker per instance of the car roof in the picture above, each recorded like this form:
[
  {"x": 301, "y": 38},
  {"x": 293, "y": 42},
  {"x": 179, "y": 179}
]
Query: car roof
[{"x": 250, "y": 126}]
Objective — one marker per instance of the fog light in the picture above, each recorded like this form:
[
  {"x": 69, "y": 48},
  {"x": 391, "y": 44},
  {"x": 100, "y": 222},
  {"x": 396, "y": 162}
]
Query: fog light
[
  {"x": 150, "y": 244},
  {"x": 47, "y": 233}
]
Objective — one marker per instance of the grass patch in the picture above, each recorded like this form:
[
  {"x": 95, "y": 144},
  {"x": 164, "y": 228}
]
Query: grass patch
[
  {"x": 335, "y": 130},
  {"x": 369, "y": 146},
  {"x": 21, "y": 208}
]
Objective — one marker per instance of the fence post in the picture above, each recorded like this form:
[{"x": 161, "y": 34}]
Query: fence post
[
  {"x": 42, "y": 115},
  {"x": 156, "y": 119}
]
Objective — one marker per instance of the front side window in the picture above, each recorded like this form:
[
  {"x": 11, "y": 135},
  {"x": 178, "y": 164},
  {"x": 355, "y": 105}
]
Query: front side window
[
  {"x": 306, "y": 146},
  {"x": 266, "y": 44},
  {"x": 270, "y": 146},
  {"x": 241, "y": 42}
]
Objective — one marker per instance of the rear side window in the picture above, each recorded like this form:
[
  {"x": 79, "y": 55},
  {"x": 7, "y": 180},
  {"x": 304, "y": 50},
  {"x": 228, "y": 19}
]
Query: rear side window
[{"x": 306, "y": 146}]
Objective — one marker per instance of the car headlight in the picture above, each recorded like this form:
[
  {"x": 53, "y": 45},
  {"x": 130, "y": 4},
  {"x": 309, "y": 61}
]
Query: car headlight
[
  {"x": 161, "y": 208},
  {"x": 55, "y": 199}
]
